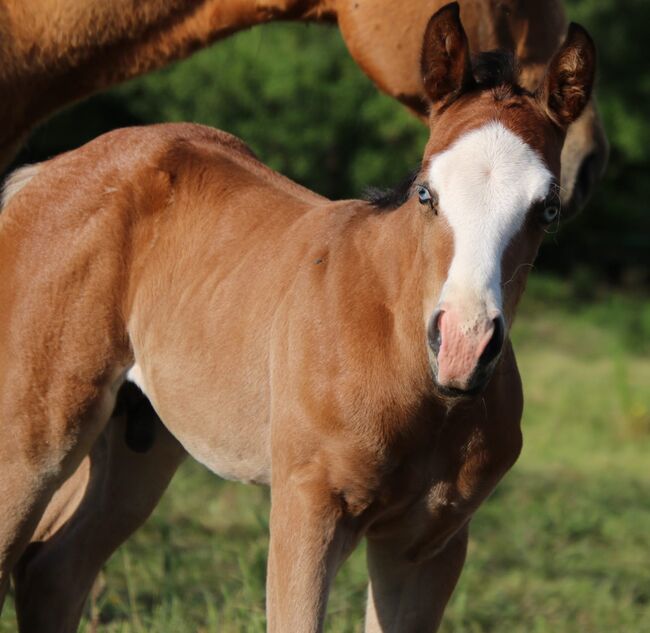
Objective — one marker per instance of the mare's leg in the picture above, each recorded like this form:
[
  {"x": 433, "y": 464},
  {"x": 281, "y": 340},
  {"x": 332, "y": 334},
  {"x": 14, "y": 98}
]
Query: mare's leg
[
  {"x": 121, "y": 489},
  {"x": 309, "y": 540},
  {"x": 408, "y": 597}
]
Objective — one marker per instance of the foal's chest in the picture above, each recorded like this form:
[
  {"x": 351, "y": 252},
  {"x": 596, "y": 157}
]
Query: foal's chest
[{"x": 439, "y": 485}]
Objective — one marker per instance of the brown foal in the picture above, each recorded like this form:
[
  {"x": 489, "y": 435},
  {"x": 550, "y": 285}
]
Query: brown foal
[
  {"x": 352, "y": 355},
  {"x": 54, "y": 52}
]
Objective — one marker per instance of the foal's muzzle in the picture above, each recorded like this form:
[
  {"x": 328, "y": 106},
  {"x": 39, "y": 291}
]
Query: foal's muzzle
[{"x": 465, "y": 354}]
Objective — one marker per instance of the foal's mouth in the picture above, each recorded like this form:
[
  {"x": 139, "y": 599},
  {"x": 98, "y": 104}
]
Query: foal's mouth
[
  {"x": 455, "y": 393},
  {"x": 475, "y": 385}
]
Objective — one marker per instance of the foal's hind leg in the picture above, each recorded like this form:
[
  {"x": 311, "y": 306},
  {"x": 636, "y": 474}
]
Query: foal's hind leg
[
  {"x": 54, "y": 577},
  {"x": 42, "y": 439}
]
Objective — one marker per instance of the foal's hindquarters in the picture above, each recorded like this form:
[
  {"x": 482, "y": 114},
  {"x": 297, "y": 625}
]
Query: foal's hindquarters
[
  {"x": 67, "y": 235},
  {"x": 63, "y": 351}
]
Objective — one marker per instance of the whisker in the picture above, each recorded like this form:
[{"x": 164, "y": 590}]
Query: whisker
[
  {"x": 515, "y": 273},
  {"x": 558, "y": 187}
]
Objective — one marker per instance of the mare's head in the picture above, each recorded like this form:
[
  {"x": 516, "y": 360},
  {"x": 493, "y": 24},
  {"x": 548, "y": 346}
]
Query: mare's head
[{"x": 489, "y": 189}]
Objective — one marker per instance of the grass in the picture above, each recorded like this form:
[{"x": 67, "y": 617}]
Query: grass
[{"x": 562, "y": 546}]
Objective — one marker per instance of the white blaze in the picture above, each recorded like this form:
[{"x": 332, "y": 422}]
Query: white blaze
[{"x": 486, "y": 182}]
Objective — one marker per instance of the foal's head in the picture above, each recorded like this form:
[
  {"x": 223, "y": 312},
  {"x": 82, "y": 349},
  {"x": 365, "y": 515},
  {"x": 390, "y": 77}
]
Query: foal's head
[{"x": 488, "y": 187}]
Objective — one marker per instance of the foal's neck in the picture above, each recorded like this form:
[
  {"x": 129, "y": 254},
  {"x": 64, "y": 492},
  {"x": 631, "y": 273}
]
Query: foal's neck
[{"x": 388, "y": 249}]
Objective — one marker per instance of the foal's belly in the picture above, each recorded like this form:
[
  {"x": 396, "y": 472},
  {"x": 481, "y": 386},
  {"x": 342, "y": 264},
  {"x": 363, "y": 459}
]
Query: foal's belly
[{"x": 226, "y": 430}]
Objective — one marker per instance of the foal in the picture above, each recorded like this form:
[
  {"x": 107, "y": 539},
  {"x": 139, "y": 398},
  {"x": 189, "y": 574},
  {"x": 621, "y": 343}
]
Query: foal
[{"x": 353, "y": 356}]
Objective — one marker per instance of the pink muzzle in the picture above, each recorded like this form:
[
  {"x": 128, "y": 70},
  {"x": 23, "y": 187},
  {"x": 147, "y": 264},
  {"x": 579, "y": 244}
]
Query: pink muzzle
[{"x": 464, "y": 353}]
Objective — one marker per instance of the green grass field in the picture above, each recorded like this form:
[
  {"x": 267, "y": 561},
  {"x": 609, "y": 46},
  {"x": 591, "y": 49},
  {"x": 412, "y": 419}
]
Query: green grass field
[{"x": 563, "y": 545}]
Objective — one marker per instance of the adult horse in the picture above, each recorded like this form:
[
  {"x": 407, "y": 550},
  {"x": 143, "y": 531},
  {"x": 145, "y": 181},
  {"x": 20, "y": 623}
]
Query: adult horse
[
  {"x": 64, "y": 50},
  {"x": 353, "y": 355}
]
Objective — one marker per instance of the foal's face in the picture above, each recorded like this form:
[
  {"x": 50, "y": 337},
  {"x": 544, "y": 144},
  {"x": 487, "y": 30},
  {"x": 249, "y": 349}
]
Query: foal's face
[{"x": 489, "y": 185}]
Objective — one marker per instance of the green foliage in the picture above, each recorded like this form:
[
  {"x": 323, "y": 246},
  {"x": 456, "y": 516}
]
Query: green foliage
[
  {"x": 297, "y": 98},
  {"x": 624, "y": 87},
  {"x": 612, "y": 236}
]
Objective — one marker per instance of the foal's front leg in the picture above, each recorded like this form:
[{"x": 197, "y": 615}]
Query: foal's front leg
[
  {"x": 309, "y": 540},
  {"x": 405, "y": 596}
]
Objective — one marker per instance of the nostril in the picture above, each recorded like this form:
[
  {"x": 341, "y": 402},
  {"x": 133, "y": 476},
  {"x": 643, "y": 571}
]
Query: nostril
[
  {"x": 434, "y": 336},
  {"x": 493, "y": 348}
]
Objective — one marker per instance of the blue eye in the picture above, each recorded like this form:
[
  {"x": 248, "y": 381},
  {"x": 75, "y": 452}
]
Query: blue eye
[
  {"x": 423, "y": 194},
  {"x": 426, "y": 197},
  {"x": 550, "y": 213}
]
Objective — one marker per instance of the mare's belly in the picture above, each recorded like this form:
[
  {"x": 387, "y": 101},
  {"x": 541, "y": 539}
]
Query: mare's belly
[{"x": 221, "y": 424}]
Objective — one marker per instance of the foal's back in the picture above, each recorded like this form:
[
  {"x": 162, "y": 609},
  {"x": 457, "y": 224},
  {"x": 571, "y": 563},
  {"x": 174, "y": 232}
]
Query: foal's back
[{"x": 100, "y": 198}]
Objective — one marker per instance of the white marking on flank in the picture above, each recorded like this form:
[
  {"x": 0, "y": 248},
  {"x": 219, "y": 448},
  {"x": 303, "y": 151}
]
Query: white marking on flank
[{"x": 134, "y": 375}]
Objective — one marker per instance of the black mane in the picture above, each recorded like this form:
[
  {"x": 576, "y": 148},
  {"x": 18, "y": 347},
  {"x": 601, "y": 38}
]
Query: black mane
[
  {"x": 492, "y": 70},
  {"x": 393, "y": 197}
]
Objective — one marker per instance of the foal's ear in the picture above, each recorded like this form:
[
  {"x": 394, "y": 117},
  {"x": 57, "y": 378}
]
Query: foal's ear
[
  {"x": 446, "y": 64},
  {"x": 570, "y": 77}
]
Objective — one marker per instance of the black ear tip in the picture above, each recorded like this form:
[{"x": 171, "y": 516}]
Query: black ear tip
[
  {"x": 443, "y": 19},
  {"x": 577, "y": 31},
  {"x": 453, "y": 7},
  {"x": 452, "y": 10},
  {"x": 574, "y": 27}
]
